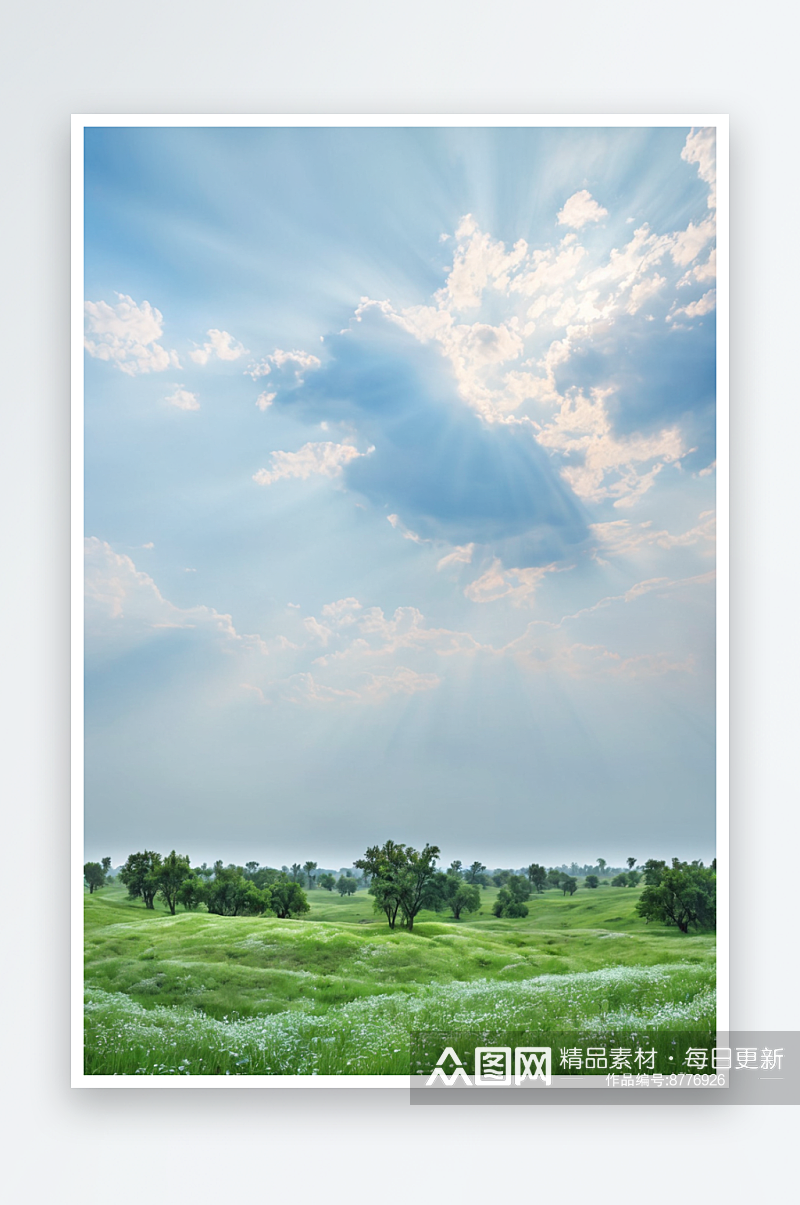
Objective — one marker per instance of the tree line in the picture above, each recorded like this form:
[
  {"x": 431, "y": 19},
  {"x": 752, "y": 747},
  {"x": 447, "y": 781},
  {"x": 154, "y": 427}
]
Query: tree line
[{"x": 403, "y": 881}]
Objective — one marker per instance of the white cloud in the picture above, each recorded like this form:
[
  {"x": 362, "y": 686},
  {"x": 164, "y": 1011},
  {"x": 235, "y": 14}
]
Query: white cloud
[
  {"x": 478, "y": 262},
  {"x": 342, "y": 612},
  {"x": 323, "y": 459},
  {"x": 183, "y": 399},
  {"x": 406, "y": 532},
  {"x": 643, "y": 291},
  {"x": 701, "y": 148},
  {"x": 579, "y": 209},
  {"x": 461, "y": 555},
  {"x": 125, "y": 334},
  {"x": 708, "y": 470},
  {"x": 701, "y": 273},
  {"x": 265, "y": 400},
  {"x": 297, "y": 362},
  {"x": 220, "y": 344},
  {"x": 498, "y": 582},
  {"x": 696, "y": 309},
  {"x": 688, "y": 243},
  {"x": 625, "y": 538},
  {"x": 125, "y": 608}
]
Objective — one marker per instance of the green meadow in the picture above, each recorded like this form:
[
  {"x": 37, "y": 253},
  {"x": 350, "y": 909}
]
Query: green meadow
[{"x": 338, "y": 992}]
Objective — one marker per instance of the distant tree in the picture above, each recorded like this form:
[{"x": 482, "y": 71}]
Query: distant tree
[
  {"x": 191, "y": 892},
  {"x": 634, "y": 877},
  {"x": 204, "y": 872},
  {"x": 250, "y": 869},
  {"x": 169, "y": 876},
  {"x": 327, "y": 881},
  {"x": 309, "y": 868},
  {"x": 653, "y": 870},
  {"x": 403, "y": 879},
  {"x": 475, "y": 871},
  {"x": 554, "y": 876},
  {"x": 461, "y": 896},
  {"x": 501, "y": 878},
  {"x": 346, "y": 885},
  {"x": 591, "y": 880},
  {"x": 537, "y": 875},
  {"x": 511, "y": 898},
  {"x": 231, "y": 894},
  {"x": 296, "y": 872},
  {"x": 685, "y": 895},
  {"x": 287, "y": 899},
  {"x": 106, "y": 864},
  {"x": 601, "y": 862},
  {"x": 631, "y": 863},
  {"x": 94, "y": 875},
  {"x": 569, "y": 885},
  {"x": 139, "y": 876},
  {"x": 455, "y": 867},
  {"x": 620, "y": 880}
]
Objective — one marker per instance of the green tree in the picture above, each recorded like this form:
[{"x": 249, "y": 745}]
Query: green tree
[
  {"x": 169, "y": 876},
  {"x": 591, "y": 880},
  {"x": 601, "y": 862},
  {"x": 191, "y": 893},
  {"x": 631, "y": 863},
  {"x": 475, "y": 872},
  {"x": 231, "y": 894},
  {"x": 554, "y": 877},
  {"x": 250, "y": 869},
  {"x": 653, "y": 870},
  {"x": 461, "y": 896},
  {"x": 288, "y": 899},
  {"x": 685, "y": 895},
  {"x": 139, "y": 876},
  {"x": 634, "y": 877},
  {"x": 511, "y": 898},
  {"x": 537, "y": 875},
  {"x": 94, "y": 875},
  {"x": 346, "y": 885},
  {"x": 106, "y": 864},
  {"x": 403, "y": 879},
  {"x": 620, "y": 880},
  {"x": 569, "y": 885},
  {"x": 327, "y": 881},
  {"x": 309, "y": 868},
  {"x": 296, "y": 872},
  {"x": 501, "y": 878}
]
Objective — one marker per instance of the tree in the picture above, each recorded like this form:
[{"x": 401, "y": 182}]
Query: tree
[
  {"x": 295, "y": 872},
  {"x": 106, "y": 864},
  {"x": 474, "y": 873},
  {"x": 631, "y": 863},
  {"x": 191, "y": 892},
  {"x": 94, "y": 875},
  {"x": 139, "y": 876},
  {"x": 346, "y": 885},
  {"x": 288, "y": 899},
  {"x": 569, "y": 885},
  {"x": 169, "y": 876},
  {"x": 685, "y": 895},
  {"x": 620, "y": 880},
  {"x": 537, "y": 875},
  {"x": 553, "y": 877},
  {"x": 591, "y": 880},
  {"x": 403, "y": 879},
  {"x": 501, "y": 878},
  {"x": 250, "y": 869},
  {"x": 231, "y": 894},
  {"x": 309, "y": 868},
  {"x": 461, "y": 896},
  {"x": 653, "y": 870},
  {"x": 511, "y": 898},
  {"x": 455, "y": 867},
  {"x": 633, "y": 878},
  {"x": 601, "y": 862},
  {"x": 327, "y": 881}
]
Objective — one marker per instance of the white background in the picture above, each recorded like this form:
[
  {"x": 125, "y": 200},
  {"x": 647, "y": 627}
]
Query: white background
[{"x": 316, "y": 56}]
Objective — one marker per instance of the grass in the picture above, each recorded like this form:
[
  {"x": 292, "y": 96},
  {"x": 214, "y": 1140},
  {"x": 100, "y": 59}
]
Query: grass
[{"x": 339, "y": 992}]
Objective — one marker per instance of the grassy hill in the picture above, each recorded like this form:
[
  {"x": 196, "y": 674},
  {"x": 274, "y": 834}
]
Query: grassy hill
[{"x": 340, "y": 992}]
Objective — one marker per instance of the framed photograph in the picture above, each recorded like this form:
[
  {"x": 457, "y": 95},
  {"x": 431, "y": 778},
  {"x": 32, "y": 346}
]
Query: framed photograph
[{"x": 400, "y": 637}]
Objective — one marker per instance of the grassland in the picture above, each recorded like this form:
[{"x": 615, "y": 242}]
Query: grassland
[{"x": 338, "y": 992}]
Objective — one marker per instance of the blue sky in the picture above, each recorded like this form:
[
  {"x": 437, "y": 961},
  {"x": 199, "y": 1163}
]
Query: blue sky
[{"x": 400, "y": 492}]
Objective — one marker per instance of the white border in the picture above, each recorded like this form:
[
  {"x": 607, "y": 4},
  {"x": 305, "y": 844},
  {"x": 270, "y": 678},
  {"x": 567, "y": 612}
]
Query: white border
[{"x": 534, "y": 121}]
